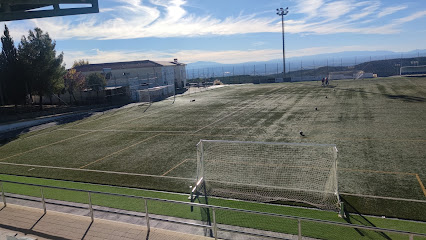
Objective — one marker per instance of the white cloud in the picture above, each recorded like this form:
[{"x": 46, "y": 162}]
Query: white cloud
[
  {"x": 309, "y": 7},
  {"x": 390, "y": 10},
  {"x": 336, "y": 9},
  {"x": 369, "y": 9},
  {"x": 170, "y": 18},
  {"x": 411, "y": 17}
]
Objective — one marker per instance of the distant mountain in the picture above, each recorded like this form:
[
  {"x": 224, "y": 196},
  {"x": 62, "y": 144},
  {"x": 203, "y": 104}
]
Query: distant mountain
[{"x": 348, "y": 58}]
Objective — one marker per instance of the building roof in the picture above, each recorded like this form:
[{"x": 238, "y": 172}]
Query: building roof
[{"x": 126, "y": 65}]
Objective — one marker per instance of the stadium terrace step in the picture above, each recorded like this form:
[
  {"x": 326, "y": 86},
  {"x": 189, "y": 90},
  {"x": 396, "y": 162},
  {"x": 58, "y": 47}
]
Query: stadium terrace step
[{"x": 32, "y": 223}]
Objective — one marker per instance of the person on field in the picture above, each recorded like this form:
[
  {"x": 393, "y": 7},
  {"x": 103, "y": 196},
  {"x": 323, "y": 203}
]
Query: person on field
[
  {"x": 322, "y": 82},
  {"x": 326, "y": 81}
]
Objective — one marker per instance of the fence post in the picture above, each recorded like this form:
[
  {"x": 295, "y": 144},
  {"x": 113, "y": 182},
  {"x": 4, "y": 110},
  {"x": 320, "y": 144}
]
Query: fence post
[
  {"x": 214, "y": 223},
  {"x": 147, "y": 215},
  {"x": 2, "y": 194},
  {"x": 299, "y": 225},
  {"x": 43, "y": 201},
  {"x": 90, "y": 207}
]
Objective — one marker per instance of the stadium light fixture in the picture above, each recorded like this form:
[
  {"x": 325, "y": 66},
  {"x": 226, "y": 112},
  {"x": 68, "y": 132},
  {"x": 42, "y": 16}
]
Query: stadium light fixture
[{"x": 282, "y": 12}]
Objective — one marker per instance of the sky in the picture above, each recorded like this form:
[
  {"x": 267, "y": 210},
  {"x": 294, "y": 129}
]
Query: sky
[{"x": 231, "y": 31}]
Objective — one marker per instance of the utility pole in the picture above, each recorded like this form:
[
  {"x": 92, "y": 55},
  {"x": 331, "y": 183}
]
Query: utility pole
[{"x": 282, "y": 12}]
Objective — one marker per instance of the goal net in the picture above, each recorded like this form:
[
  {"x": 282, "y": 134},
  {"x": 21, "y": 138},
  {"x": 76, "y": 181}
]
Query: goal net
[
  {"x": 355, "y": 74},
  {"x": 265, "y": 172}
]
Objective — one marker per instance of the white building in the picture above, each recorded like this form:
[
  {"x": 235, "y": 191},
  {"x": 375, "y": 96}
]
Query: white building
[{"x": 140, "y": 75}]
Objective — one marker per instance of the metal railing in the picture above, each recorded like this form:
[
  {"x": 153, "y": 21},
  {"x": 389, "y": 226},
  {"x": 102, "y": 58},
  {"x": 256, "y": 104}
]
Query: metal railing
[{"x": 213, "y": 227}]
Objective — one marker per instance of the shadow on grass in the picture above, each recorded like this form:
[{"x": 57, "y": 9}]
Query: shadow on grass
[
  {"x": 9, "y": 136},
  {"x": 406, "y": 98},
  {"x": 6, "y": 137},
  {"x": 361, "y": 221}
]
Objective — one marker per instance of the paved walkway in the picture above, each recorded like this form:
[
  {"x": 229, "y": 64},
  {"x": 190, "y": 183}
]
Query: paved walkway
[{"x": 26, "y": 222}]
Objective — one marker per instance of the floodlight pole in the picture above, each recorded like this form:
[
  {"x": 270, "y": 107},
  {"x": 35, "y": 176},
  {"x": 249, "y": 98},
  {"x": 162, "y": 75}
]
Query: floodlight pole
[{"x": 282, "y": 12}]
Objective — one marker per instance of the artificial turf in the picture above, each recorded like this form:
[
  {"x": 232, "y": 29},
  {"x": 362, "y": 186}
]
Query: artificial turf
[{"x": 377, "y": 125}]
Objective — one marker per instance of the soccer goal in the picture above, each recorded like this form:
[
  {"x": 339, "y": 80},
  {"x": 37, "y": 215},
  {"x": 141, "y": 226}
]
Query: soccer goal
[
  {"x": 268, "y": 171},
  {"x": 355, "y": 74}
]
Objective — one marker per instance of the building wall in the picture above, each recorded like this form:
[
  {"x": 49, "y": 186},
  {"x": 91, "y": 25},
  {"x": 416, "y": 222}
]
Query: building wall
[
  {"x": 409, "y": 70},
  {"x": 145, "y": 77}
]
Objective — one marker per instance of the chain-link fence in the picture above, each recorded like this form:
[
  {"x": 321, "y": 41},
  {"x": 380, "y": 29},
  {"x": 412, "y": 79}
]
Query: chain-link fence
[{"x": 306, "y": 70}]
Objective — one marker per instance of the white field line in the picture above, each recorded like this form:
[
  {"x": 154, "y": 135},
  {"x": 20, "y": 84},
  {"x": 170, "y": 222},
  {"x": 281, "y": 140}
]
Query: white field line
[
  {"x": 44, "y": 146},
  {"x": 421, "y": 184},
  {"x": 220, "y": 119},
  {"x": 97, "y": 171},
  {"x": 132, "y": 119},
  {"x": 241, "y": 108},
  {"x": 380, "y": 197},
  {"x": 173, "y": 168},
  {"x": 43, "y": 133},
  {"x": 34, "y": 135},
  {"x": 63, "y": 140},
  {"x": 117, "y": 130},
  {"x": 119, "y": 151},
  {"x": 114, "y": 111}
]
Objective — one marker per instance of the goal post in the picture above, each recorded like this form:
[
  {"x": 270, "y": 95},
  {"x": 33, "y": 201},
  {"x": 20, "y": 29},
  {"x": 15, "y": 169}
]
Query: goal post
[
  {"x": 354, "y": 74},
  {"x": 268, "y": 171}
]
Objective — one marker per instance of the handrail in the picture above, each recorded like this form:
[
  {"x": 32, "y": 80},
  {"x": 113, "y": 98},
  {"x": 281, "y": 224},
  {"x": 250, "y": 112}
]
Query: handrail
[{"x": 214, "y": 208}]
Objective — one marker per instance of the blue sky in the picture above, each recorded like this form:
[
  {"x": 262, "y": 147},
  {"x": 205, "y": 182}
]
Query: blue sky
[{"x": 232, "y": 31}]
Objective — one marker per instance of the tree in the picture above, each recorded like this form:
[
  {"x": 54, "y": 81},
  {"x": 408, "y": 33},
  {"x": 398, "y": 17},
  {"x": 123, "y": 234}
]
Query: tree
[
  {"x": 74, "y": 81},
  {"x": 11, "y": 86},
  {"x": 96, "y": 81},
  {"x": 44, "y": 70},
  {"x": 80, "y": 62}
]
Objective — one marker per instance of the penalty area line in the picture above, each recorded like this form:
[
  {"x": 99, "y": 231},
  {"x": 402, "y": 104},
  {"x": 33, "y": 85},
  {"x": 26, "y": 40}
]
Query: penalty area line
[
  {"x": 173, "y": 168},
  {"x": 421, "y": 184},
  {"x": 111, "y": 154}
]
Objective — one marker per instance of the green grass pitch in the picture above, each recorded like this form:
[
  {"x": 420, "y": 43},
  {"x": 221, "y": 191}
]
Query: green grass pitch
[{"x": 377, "y": 125}]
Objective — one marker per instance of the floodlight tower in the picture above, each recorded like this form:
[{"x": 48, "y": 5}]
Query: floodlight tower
[{"x": 282, "y": 12}]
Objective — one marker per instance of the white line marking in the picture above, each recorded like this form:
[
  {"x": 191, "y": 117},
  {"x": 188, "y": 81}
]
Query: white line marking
[
  {"x": 117, "y": 130},
  {"x": 97, "y": 171}
]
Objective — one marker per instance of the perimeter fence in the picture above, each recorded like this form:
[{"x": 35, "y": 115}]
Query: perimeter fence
[
  {"x": 305, "y": 70},
  {"x": 222, "y": 221}
]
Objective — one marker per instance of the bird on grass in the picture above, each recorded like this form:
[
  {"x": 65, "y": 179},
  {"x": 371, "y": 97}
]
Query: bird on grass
[
  {"x": 301, "y": 134},
  {"x": 316, "y": 109}
]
